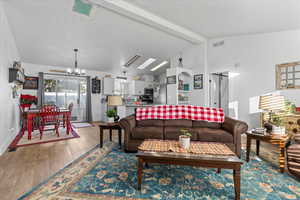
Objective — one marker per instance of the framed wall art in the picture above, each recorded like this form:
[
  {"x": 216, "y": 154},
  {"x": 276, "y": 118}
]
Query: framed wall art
[
  {"x": 171, "y": 79},
  {"x": 198, "y": 81},
  {"x": 96, "y": 86},
  {"x": 31, "y": 83}
]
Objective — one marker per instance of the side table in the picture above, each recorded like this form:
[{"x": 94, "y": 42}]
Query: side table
[
  {"x": 110, "y": 127},
  {"x": 278, "y": 140}
]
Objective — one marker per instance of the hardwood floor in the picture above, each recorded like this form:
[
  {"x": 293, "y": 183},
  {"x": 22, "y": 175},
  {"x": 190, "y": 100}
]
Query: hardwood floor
[{"x": 25, "y": 168}]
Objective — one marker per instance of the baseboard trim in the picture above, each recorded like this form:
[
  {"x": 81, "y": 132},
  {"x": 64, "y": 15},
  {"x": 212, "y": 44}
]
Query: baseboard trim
[{"x": 5, "y": 144}]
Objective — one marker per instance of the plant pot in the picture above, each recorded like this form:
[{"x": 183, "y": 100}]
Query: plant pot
[
  {"x": 184, "y": 141},
  {"x": 110, "y": 119}
]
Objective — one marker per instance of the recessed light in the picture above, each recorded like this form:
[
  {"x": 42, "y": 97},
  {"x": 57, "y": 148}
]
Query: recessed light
[
  {"x": 159, "y": 66},
  {"x": 146, "y": 63}
]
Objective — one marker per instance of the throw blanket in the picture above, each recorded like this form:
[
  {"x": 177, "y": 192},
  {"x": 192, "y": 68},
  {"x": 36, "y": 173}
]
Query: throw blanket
[{"x": 181, "y": 112}]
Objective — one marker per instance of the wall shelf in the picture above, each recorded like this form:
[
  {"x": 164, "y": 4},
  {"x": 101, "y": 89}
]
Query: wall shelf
[{"x": 177, "y": 93}]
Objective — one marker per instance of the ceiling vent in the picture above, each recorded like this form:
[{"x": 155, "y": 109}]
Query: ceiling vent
[
  {"x": 132, "y": 60},
  {"x": 218, "y": 44}
]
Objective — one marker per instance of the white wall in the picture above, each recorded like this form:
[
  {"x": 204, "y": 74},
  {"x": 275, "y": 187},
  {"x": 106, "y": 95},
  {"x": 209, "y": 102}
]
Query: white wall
[
  {"x": 194, "y": 59},
  {"x": 9, "y": 115},
  {"x": 254, "y": 57}
]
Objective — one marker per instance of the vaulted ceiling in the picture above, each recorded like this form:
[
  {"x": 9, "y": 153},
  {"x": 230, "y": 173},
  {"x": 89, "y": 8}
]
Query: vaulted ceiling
[
  {"x": 46, "y": 31},
  {"x": 219, "y": 18}
]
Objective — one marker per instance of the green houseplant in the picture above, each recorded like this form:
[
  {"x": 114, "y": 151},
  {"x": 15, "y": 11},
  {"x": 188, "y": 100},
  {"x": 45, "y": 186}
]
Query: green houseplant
[
  {"x": 185, "y": 138},
  {"x": 277, "y": 118},
  {"x": 111, "y": 114}
]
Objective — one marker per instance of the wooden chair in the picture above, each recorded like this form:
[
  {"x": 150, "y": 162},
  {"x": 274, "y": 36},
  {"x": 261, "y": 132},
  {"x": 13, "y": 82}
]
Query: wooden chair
[
  {"x": 293, "y": 156},
  {"x": 23, "y": 120},
  {"x": 49, "y": 116},
  {"x": 70, "y": 108}
]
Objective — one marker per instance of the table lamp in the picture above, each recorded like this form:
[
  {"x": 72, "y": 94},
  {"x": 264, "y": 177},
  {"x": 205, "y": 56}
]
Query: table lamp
[
  {"x": 115, "y": 101},
  {"x": 270, "y": 104}
]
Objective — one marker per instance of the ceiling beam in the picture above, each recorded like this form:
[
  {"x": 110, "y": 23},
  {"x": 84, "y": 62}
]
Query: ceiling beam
[{"x": 143, "y": 16}]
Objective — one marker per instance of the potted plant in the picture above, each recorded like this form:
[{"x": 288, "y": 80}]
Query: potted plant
[
  {"x": 27, "y": 100},
  {"x": 111, "y": 114},
  {"x": 185, "y": 138},
  {"x": 277, "y": 123}
]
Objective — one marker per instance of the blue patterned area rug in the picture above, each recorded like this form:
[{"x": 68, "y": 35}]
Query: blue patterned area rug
[{"x": 109, "y": 173}]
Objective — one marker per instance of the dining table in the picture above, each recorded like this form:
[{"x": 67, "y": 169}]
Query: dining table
[{"x": 33, "y": 113}]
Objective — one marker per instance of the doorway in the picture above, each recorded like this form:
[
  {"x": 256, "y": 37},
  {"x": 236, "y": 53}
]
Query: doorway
[
  {"x": 219, "y": 91},
  {"x": 62, "y": 90}
]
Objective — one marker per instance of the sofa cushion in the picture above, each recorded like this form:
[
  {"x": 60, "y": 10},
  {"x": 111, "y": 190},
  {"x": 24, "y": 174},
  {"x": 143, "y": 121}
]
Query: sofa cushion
[
  {"x": 173, "y": 133},
  {"x": 213, "y": 135},
  {"x": 183, "y": 123},
  {"x": 147, "y": 133},
  {"x": 205, "y": 124},
  {"x": 150, "y": 122}
]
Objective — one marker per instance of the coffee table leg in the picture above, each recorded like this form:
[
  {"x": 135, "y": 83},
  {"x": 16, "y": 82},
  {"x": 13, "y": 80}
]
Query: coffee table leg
[
  {"x": 219, "y": 170},
  {"x": 140, "y": 172},
  {"x": 237, "y": 183},
  {"x": 101, "y": 137},
  {"x": 110, "y": 134},
  {"x": 248, "y": 148},
  {"x": 257, "y": 147},
  {"x": 120, "y": 138}
]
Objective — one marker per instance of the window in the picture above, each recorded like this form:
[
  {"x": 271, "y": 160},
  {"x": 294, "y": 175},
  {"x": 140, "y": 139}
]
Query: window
[{"x": 288, "y": 76}]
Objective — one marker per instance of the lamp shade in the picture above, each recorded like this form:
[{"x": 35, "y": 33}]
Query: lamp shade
[
  {"x": 272, "y": 103},
  {"x": 114, "y": 101}
]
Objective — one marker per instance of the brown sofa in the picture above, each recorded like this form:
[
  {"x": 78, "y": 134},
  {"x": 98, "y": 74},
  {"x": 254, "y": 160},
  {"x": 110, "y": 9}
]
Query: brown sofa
[{"x": 228, "y": 132}]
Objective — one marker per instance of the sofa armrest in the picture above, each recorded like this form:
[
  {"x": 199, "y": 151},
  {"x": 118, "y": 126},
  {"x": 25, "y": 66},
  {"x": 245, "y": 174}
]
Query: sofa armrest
[
  {"x": 127, "y": 123},
  {"x": 236, "y": 128}
]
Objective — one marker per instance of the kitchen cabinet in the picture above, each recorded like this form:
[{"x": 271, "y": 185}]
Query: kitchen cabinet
[
  {"x": 121, "y": 87},
  {"x": 112, "y": 86},
  {"x": 108, "y": 86},
  {"x": 137, "y": 87}
]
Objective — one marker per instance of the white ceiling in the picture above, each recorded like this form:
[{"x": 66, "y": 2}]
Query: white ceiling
[
  {"x": 218, "y": 18},
  {"x": 46, "y": 31}
]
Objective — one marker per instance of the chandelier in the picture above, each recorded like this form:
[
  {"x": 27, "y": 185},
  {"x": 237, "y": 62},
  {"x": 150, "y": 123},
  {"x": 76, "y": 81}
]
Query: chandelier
[{"x": 76, "y": 70}]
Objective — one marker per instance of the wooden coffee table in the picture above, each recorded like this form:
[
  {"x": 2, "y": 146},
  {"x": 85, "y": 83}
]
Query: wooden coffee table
[{"x": 200, "y": 160}]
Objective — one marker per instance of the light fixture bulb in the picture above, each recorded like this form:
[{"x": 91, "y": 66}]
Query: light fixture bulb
[{"x": 69, "y": 70}]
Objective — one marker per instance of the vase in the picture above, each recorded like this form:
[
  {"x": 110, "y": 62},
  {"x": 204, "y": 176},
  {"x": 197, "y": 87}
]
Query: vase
[
  {"x": 184, "y": 141},
  {"x": 110, "y": 119}
]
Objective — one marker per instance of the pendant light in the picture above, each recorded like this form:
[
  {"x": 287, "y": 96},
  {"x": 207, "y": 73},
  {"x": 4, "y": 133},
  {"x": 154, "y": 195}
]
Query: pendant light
[{"x": 76, "y": 70}]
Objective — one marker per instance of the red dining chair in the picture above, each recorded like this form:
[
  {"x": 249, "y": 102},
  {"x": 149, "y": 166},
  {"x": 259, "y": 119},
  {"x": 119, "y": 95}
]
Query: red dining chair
[
  {"x": 49, "y": 116},
  {"x": 23, "y": 119},
  {"x": 65, "y": 119},
  {"x": 70, "y": 108}
]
